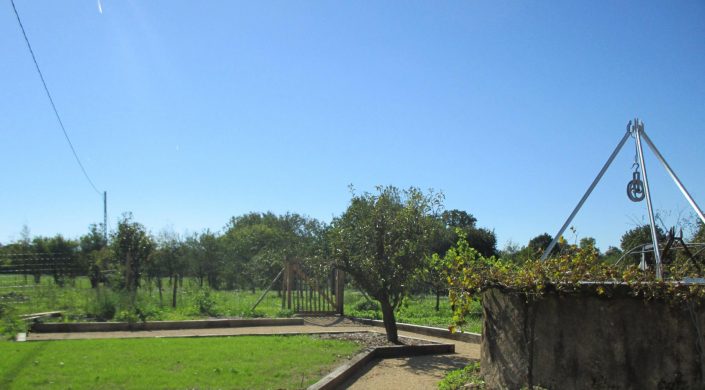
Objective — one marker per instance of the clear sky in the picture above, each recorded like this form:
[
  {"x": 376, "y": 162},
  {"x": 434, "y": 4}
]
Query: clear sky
[{"x": 188, "y": 113}]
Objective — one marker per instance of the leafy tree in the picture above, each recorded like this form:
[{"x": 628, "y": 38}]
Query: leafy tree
[
  {"x": 168, "y": 259},
  {"x": 458, "y": 218},
  {"x": 483, "y": 240},
  {"x": 132, "y": 245},
  {"x": 533, "y": 250},
  {"x": 455, "y": 223},
  {"x": 205, "y": 257},
  {"x": 538, "y": 244},
  {"x": 588, "y": 242},
  {"x": 94, "y": 255},
  {"x": 382, "y": 240},
  {"x": 256, "y": 245},
  {"x": 699, "y": 235},
  {"x": 612, "y": 254},
  {"x": 638, "y": 236},
  {"x": 59, "y": 255}
]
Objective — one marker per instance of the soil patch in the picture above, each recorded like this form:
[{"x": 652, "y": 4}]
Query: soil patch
[{"x": 371, "y": 339}]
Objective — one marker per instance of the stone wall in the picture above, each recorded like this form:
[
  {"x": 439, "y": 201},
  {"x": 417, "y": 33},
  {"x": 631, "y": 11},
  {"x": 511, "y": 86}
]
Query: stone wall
[{"x": 581, "y": 341}]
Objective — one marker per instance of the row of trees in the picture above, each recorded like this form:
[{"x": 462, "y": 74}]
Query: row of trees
[{"x": 384, "y": 240}]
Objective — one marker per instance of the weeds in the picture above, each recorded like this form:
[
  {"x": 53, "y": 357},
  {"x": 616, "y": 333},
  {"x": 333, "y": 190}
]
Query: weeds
[
  {"x": 10, "y": 323},
  {"x": 468, "y": 377}
]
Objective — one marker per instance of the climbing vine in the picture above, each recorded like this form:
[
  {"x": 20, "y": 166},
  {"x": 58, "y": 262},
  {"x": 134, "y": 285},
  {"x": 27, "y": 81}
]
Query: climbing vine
[{"x": 576, "y": 271}]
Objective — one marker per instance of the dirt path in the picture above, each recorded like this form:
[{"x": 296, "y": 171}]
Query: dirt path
[{"x": 418, "y": 372}]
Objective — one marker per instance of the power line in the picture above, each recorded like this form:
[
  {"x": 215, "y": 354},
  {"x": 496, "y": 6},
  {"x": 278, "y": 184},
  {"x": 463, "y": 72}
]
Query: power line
[{"x": 53, "y": 106}]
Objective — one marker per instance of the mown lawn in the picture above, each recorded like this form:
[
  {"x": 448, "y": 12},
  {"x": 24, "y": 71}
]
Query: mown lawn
[
  {"x": 417, "y": 309},
  {"x": 245, "y": 362}
]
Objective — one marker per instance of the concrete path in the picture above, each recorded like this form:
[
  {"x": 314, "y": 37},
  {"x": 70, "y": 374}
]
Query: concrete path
[{"x": 418, "y": 372}]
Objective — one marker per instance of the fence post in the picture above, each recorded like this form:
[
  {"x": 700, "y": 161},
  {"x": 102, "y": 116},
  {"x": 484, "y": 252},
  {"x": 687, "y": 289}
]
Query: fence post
[
  {"x": 288, "y": 285},
  {"x": 340, "y": 290}
]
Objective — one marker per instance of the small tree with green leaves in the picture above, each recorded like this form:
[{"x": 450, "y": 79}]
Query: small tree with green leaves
[
  {"x": 132, "y": 247},
  {"x": 382, "y": 240}
]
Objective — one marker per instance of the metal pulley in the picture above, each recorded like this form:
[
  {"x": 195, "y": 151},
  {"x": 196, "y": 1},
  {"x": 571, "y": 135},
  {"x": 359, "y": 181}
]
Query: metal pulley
[{"x": 635, "y": 188}]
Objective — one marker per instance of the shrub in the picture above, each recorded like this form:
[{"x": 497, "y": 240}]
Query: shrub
[
  {"x": 285, "y": 313},
  {"x": 104, "y": 307},
  {"x": 204, "y": 303},
  {"x": 367, "y": 305},
  {"x": 10, "y": 324},
  {"x": 130, "y": 316},
  {"x": 457, "y": 379}
]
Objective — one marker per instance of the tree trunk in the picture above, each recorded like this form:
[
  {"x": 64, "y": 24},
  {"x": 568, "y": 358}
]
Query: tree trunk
[
  {"x": 390, "y": 323},
  {"x": 438, "y": 300},
  {"x": 159, "y": 286},
  {"x": 173, "y": 295},
  {"x": 128, "y": 272}
]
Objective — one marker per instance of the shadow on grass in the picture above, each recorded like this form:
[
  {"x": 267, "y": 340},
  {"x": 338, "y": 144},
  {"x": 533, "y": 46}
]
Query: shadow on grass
[{"x": 14, "y": 371}]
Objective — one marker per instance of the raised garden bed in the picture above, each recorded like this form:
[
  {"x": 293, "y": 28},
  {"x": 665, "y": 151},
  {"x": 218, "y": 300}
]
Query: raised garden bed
[{"x": 65, "y": 327}]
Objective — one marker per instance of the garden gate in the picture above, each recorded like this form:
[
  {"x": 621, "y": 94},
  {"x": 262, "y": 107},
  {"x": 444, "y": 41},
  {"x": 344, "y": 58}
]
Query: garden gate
[{"x": 313, "y": 292}]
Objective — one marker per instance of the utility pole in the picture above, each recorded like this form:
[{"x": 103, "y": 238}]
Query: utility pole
[{"x": 105, "y": 216}]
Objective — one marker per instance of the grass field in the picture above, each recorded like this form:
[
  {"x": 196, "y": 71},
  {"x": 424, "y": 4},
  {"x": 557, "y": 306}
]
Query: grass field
[
  {"x": 80, "y": 303},
  {"x": 418, "y": 309},
  {"x": 246, "y": 362}
]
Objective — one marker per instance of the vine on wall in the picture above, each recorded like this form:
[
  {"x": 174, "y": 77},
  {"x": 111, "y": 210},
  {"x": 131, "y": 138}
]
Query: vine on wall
[{"x": 576, "y": 271}]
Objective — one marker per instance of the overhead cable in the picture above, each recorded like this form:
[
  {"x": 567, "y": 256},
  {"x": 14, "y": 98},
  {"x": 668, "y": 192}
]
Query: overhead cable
[{"x": 53, "y": 106}]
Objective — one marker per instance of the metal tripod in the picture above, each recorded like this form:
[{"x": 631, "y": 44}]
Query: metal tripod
[{"x": 635, "y": 129}]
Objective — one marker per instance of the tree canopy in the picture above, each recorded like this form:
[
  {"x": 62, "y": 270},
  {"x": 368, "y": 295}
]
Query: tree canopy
[{"x": 382, "y": 240}]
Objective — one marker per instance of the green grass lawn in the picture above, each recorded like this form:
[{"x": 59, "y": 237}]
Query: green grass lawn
[
  {"x": 245, "y": 362},
  {"x": 80, "y": 302},
  {"x": 417, "y": 309}
]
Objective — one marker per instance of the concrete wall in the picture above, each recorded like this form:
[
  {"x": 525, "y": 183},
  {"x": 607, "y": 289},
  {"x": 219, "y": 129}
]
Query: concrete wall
[{"x": 581, "y": 341}]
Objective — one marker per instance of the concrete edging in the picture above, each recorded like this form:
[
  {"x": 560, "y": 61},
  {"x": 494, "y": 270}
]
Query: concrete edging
[
  {"x": 338, "y": 376},
  {"x": 66, "y": 327},
  {"x": 467, "y": 337}
]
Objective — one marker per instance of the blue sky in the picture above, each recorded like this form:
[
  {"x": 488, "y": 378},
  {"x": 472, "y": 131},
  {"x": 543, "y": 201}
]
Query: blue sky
[{"x": 189, "y": 113}]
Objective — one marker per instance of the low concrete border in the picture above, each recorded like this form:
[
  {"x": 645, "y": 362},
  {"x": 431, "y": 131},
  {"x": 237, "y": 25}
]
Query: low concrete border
[
  {"x": 67, "y": 327},
  {"x": 344, "y": 372},
  {"x": 467, "y": 337}
]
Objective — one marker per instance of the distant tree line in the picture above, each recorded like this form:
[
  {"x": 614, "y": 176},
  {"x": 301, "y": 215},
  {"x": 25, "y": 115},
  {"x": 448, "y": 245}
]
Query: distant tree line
[{"x": 385, "y": 241}]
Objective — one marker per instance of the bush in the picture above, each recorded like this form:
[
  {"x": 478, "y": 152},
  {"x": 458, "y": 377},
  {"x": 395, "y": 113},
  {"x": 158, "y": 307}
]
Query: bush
[
  {"x": 367, "y": 305},
  {"x": 204, "y": 303},
  {"x": 104, "y": 307},
  {"x": 10, "y": 324},
  {"x": 457, "y": 379},
  {"x": 285, "y": 313},
  {"x": 130, "y": 316}
]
